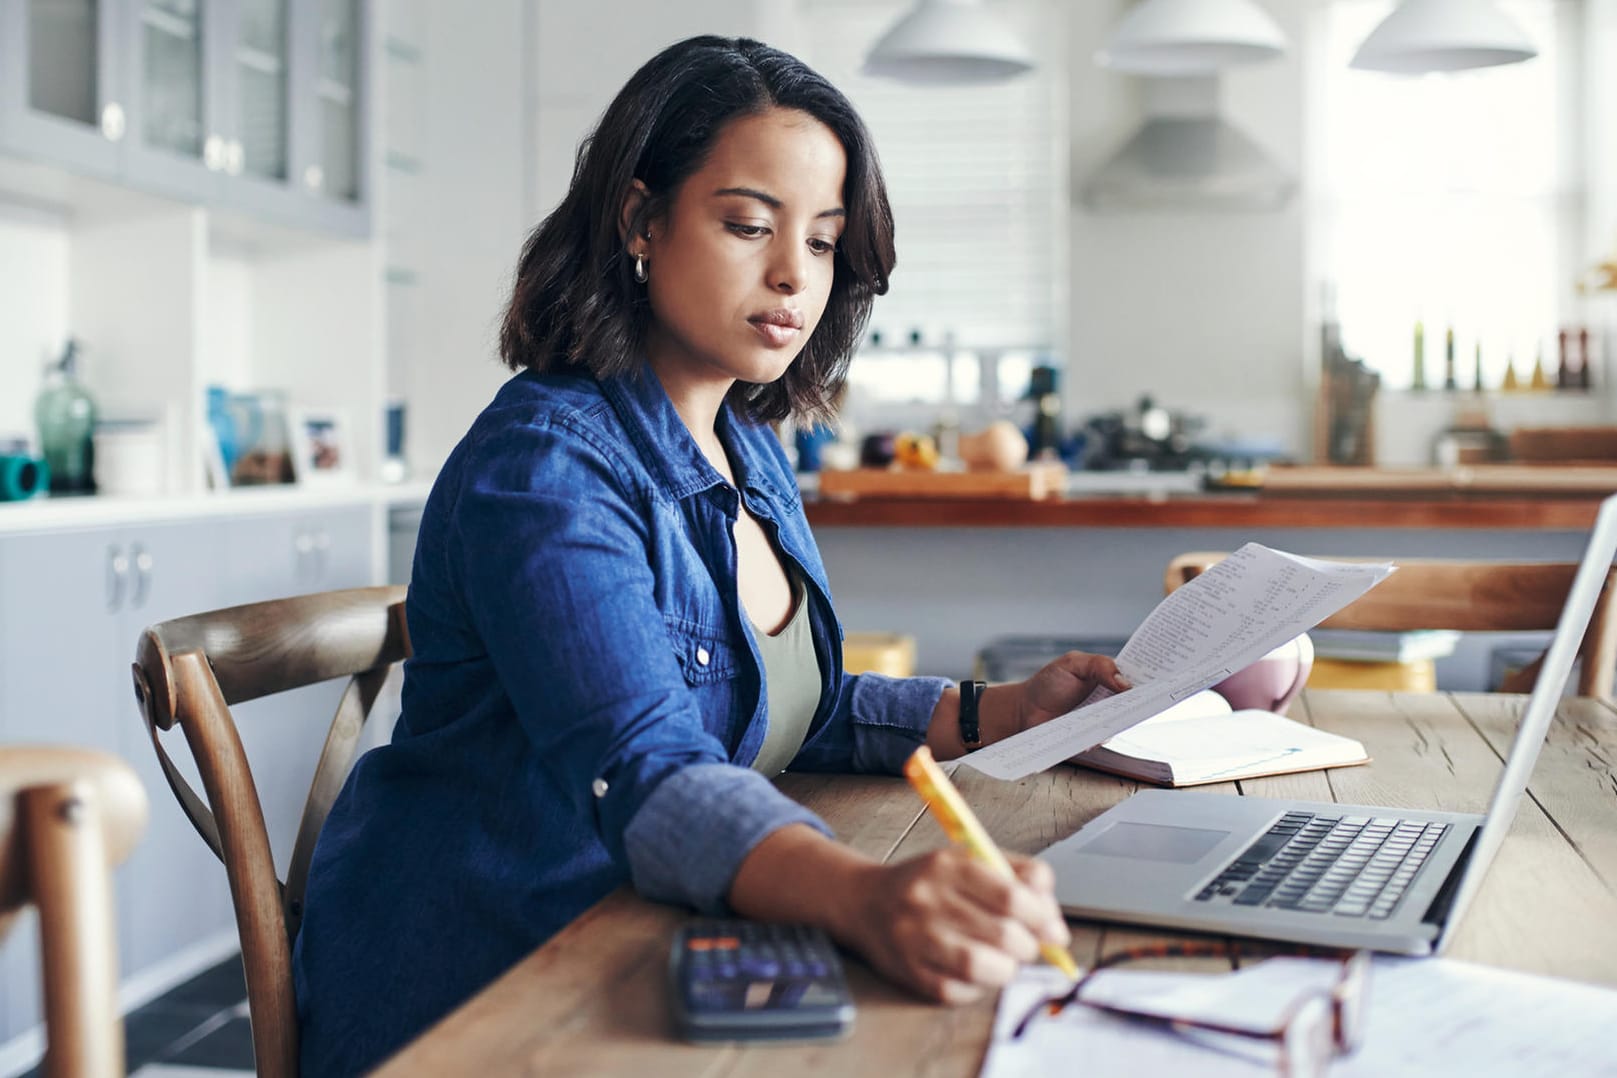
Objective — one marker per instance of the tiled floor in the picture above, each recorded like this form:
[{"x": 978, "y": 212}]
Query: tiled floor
[{"x": 198, "y": 1030}]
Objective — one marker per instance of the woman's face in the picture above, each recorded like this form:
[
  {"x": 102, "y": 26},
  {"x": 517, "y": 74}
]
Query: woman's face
[{"x": 740, "y": 266}]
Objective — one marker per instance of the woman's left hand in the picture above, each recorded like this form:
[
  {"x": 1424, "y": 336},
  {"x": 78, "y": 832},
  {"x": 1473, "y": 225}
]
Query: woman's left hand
[{"x": 1063, "y": 684}]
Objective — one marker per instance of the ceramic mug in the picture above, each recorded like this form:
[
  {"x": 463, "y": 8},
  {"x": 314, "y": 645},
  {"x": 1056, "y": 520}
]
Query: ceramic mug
[{"x": 1273, "y": 682}]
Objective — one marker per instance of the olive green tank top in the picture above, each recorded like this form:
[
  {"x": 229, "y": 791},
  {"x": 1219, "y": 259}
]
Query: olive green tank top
[{"x": 791, "y": 686}]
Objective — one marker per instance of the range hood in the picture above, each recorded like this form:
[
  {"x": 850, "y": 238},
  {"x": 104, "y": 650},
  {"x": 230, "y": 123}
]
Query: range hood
[{"x": 1188, "y": 157}]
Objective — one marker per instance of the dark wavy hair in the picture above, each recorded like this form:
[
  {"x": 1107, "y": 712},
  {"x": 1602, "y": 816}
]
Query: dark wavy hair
[{"x": 576, "y": 303}]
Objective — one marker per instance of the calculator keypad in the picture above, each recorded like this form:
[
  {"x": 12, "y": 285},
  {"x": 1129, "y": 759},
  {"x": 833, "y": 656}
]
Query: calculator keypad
[{"x": 747, "y": 966}]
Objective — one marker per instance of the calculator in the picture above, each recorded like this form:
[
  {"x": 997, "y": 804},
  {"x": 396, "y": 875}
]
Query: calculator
[{"x": 737, "y": 980}]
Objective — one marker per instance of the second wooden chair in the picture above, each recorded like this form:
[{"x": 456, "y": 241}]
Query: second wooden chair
[
  {"x": 67, "y": 817},
  {"x": 1471, "y": 596}
]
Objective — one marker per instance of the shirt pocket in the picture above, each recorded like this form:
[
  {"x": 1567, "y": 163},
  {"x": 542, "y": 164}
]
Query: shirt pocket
[{"x": 704, "y": 656}]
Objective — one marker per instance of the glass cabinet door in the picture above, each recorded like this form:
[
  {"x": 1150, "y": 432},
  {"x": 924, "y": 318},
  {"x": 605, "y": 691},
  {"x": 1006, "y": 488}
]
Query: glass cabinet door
[
  {"x": 171, "y": 77},
  {"x": 336, "y": 173},
  {"x": 59, "y": 65},
  {"x": 175, "y": 145},
  {"x": 261, "y": 114},
  {"x": 63, "y": 80}
]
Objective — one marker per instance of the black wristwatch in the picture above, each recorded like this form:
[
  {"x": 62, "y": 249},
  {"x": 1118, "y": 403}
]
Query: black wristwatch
[{"x": 970, "y": 733}]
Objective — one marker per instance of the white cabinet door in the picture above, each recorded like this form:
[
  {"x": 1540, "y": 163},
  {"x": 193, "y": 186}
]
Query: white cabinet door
[
  {"x": 173, "y": 893},
  {"x": 75, "y": 604},
  {"x": 270, "y": 558},
  {"x": 59, "y": 635}
]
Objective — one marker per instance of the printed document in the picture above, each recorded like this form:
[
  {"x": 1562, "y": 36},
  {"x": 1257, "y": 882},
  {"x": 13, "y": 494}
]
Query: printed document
[
  {"x": 1425, "y": 1016},
  {"x": 1217, "y": 623}
]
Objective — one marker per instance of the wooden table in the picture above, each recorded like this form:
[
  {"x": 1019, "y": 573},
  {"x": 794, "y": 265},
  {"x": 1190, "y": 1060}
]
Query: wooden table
[{"x": 592, "y": 1000}]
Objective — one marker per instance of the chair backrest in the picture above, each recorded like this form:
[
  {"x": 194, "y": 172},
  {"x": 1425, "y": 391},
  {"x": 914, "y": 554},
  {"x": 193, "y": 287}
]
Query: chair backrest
[
  {"x": 1564, "y": 445},
  {"x": 189, "y": 671},
  {"x": 1469, "y": 596},
  {"x": 67, "y": 817}
]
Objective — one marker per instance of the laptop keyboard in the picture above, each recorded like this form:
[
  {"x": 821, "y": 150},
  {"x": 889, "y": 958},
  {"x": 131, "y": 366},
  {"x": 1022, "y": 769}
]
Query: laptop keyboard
[{"x": 1352, "y": 866}]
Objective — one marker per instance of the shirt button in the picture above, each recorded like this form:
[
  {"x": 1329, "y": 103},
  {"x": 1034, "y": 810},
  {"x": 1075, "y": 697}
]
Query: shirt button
[
  {"x": 598, "y": 787},
  {"x": 702, "y": 657}
]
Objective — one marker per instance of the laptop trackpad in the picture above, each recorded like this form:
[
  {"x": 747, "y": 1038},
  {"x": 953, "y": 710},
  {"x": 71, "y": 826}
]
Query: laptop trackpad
[{"x": 1155, "y": 842}]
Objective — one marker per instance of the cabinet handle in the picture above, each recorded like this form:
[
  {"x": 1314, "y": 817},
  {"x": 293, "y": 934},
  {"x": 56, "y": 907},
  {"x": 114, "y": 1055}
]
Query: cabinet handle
[
  {"x": 322, "y": 553},
  {"x": 303, "y": 545},
  {"x": 213, "y": 153},
  {"x": 314, "y": 177},
  {"x": 117, "y": 575},
  {"x": 235, "y": 156},
  {"x": 112, "y": 121},
  {"x": 143, "y": 577}
]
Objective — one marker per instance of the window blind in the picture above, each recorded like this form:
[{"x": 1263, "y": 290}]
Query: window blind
[{"x": 976, "y": 176}]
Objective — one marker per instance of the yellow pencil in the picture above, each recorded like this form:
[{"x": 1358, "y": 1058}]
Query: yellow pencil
[{"x": 962, "y": 826}]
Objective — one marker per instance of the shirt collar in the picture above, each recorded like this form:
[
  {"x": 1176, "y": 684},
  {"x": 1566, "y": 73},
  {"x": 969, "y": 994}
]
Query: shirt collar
[{"x": 665, "y": 443}]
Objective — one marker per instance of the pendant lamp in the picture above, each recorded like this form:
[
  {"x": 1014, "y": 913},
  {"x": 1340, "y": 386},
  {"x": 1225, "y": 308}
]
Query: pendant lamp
[
  {"x": 1191, "y": 37},
  {"x": 949, "y": 42},
  {"x": 1425, "y": 36}
]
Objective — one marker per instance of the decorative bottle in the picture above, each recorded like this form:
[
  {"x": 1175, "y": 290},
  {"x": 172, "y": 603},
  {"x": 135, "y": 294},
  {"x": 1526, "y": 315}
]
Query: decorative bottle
[
  {"x": 1418, "y": 379},
  {"x": 1449, "y": 380},
  {"x": 65, "y": 415}
]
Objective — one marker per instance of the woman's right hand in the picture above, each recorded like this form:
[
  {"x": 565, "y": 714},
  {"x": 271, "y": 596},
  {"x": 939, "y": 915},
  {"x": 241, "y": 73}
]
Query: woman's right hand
[{"x": 948, "y": 927}]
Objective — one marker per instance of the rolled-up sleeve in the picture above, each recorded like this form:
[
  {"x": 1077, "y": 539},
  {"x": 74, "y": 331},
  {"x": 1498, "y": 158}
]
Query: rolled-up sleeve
[
  {"x": 876, "y": 723},
  {"x": 690, "y": 836},
  {"x": 561, "y": 591}
]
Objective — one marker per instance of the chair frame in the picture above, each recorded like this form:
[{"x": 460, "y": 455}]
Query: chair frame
[
  {"x": 69, "y": 816},
  {"x": 188, "y": 672},
  {"x": 1470, "y": 596}
]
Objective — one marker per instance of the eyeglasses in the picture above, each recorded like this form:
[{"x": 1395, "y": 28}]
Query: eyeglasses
[{"x": 1317, "y": 1026}]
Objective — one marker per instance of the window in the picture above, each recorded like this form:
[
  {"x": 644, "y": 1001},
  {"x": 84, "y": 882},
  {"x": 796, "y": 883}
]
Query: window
[
  {"x": 977, "y": 179},
  {"x": 1453, "y": 200}
]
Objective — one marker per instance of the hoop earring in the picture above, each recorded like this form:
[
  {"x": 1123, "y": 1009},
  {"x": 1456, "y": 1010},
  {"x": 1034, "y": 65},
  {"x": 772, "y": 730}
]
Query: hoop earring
[{"x": 640, "y": 273}]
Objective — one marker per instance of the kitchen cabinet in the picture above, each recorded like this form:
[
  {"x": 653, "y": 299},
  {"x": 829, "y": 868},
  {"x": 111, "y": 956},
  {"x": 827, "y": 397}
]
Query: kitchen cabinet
[
  {"x": 61, "y": 80},
  {"x": 72, "y": 606},
  {"x": 283, "y": 734},
  {"x": 257, "y": 106}
]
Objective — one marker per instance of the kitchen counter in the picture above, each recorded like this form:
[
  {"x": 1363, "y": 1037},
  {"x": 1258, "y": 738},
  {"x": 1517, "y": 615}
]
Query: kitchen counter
[
  {"x": 957, "y": 574},
  {"x": 46, "y": 514},
  {"x": 1563, "y": 513},
  {"x": 1511, "y": 497}
]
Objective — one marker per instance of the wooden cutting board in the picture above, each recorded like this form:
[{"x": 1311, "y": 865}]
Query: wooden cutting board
[{"x": 1044, "y": 479}]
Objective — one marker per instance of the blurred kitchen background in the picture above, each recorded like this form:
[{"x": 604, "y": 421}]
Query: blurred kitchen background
[
  {"x": 253, "y": 255},
  {"x": 324, "y": 200}
]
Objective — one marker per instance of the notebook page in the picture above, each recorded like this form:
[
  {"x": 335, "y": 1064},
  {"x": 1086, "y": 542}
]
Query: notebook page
[{"x": 1221, "y": 621}]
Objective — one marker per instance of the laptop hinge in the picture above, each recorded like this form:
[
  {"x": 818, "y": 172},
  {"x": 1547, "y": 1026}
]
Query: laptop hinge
[{"x": 1438, "y": 912}]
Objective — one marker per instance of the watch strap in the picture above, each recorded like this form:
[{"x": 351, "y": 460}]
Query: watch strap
[{"x": 970, "y": 730}]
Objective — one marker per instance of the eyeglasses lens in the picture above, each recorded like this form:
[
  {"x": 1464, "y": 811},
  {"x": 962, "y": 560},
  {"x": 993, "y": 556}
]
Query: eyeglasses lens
[
  {"x": 1309, "y": 1042},
  {"x": 1353, "y": 999}
]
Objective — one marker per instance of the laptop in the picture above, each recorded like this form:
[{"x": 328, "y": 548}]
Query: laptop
[{"x": 1336, "y": 875}]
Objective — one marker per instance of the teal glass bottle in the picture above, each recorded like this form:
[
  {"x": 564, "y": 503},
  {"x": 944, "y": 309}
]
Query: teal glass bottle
[{"x": 65, "y": 415}]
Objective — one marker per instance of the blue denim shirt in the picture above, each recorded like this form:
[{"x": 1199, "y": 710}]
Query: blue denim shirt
[{"x": 580, "y": 707}]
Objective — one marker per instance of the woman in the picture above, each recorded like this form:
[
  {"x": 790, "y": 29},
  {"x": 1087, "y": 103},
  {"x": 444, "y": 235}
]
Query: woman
[{"x": 621, "y": 625}]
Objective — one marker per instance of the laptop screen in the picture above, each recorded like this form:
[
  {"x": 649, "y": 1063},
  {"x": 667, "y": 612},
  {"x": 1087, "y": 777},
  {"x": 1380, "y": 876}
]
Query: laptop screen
[{"x": 1541, "y": 705}]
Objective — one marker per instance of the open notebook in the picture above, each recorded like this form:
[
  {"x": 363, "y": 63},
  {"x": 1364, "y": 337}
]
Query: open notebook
[{"x": 1201, "y": 740}]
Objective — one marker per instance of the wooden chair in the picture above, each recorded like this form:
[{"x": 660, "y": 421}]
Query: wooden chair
[
  {"x": 1470, "y": 597},
  {"x": 1564, "y": 445},
  {"x": 67, "y": 817},
  {"x": 189, "y": 671}
]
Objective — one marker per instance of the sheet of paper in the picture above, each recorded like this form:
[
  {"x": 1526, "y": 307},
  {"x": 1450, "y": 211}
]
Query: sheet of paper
[
  {"x": 1427, "y": 1016},
  {"x": 1223, "y": 620}
]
